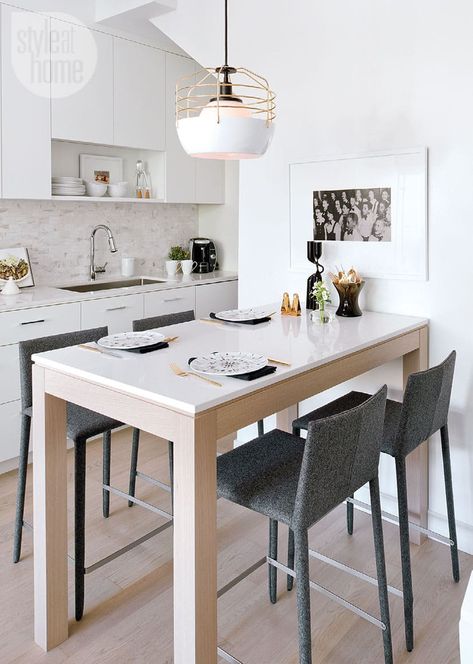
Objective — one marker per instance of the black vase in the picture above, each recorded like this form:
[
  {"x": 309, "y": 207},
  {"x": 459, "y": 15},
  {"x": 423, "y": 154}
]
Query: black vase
[
  {"x": 348, "y": 294},
  {"x": 314, "y": 252}
]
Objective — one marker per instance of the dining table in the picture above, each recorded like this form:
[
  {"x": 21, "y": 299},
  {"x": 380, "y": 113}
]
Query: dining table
[{"x": 142, "y": 390}]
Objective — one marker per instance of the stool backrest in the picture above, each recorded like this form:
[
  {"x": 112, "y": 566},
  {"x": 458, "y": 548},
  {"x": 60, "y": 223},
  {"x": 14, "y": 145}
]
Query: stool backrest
[
  {"x": 162, "y": 321},
  {"x": 44, "y": 344},
  {"x": 425, "y": 405},
  {"x": 341, "y": 455}
]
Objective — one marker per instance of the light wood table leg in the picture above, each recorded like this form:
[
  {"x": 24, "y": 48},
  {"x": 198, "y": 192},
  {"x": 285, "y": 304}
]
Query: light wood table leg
[
  {"x": 195, "y": 542},
  {"x": 285, "y": 418},
  {"x": 50, "y": 516},
  {"x": 418, "y": 461}
]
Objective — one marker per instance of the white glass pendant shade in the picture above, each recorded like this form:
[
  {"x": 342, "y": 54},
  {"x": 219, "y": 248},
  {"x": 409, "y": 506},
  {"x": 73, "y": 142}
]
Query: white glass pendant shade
[{"x": 212, "y": 125}]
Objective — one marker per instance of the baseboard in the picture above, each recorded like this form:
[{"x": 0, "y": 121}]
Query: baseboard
[{"x": 436, "y": 522}]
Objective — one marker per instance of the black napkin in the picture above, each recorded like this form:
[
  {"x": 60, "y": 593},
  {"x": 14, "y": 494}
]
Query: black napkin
[
  {"x": 252, "y": 375},
  {"x": 242, "y": 322},
  {"x": 148, "y": 349}
]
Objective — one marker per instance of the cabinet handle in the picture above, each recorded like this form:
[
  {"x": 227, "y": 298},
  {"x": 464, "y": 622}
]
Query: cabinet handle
[
  {"x": 32, "y": 322},
  {"x": 116, "y": 308},
  {"x": 173, "y": 299}
]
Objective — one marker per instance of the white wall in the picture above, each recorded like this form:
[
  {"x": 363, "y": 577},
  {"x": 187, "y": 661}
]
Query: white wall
[
  {"x": 220, "y": 222},
  {"x": 355, "y": 77}
]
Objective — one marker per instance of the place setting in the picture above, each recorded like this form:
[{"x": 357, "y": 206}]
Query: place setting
[
  {"x": 250, "y": 316},
  {"x": 130, "y": 342},
  {"x": 231, "y": 364}
]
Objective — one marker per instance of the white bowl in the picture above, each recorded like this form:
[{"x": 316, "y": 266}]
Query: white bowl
[
  {"x": 118, "y": 189},
  {"x": 95, "y": 188}
]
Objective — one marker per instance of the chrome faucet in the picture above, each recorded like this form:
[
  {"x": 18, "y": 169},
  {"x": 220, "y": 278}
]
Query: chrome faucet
[{"x": 98, "y": 269}]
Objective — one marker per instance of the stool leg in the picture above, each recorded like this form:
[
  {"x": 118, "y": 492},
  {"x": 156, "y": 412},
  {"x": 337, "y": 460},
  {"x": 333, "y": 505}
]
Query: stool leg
[
  {"x": 79, "y": 523},
  {"x": 381, "y": 568},
  {"x": 350, "y": 512},
  {"x": 290, "y": 558},
  {"x": 273, "y": 553},
  {"x": 260, "y": 427},
  {"x": 303, "y": 597},
  {"x": 21, "y": 486},
  {"x": 171, "y": 471},
  {"x": 106, "y": 461},
  {"x": 135, "y": 445},
  {"x": 405, "y": 551},
  {"x": 447, "y": 472}
]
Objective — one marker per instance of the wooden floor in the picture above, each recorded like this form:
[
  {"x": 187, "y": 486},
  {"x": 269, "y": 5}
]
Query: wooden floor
[{"x": 128, "y": 613}]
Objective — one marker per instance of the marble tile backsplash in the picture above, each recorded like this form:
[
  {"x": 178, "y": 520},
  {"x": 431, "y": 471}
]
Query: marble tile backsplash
[{"x": 56, "y": 234}]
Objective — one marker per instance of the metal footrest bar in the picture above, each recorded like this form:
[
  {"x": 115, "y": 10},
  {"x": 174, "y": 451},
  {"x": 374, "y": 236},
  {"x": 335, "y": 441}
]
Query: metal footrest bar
[
  {"x": 231, "y": 584},
  {"x": 142, "y": 503},
  {"x": 328, "y": 593},
  {"x": 392, "y": 518},
  {"x": 127, "y": 547},
  {"x": 227, "y": 657},
  {"x": 352, "y": 571},
  {"x": 152, "y": 480}
]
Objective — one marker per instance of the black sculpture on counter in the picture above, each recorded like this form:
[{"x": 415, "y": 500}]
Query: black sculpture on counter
[{"x": 314, "y": 253}]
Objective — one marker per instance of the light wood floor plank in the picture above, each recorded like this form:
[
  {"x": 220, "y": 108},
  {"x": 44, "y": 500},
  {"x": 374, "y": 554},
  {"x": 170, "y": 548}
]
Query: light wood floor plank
[{"x": 129, "y": 607}]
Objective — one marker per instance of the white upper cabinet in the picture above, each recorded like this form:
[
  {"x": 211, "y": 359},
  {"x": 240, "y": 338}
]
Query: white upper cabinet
[
  {"x": 180, "y": 168},
  {"x": 139, "y": 95},
  {"x": 210, "y": 181},
  {"x": 188, "y": 179},
  {"x": 82, "y": 85},
  {"x": 25, "y": 113}
]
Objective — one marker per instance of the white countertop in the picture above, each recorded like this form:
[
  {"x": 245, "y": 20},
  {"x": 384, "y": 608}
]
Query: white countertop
[
  {"x": 295, "y": 340},
  {"x": 40, "y": 296}
]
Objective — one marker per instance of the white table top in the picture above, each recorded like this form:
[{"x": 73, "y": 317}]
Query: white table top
[{"x": 295, "y": 340}]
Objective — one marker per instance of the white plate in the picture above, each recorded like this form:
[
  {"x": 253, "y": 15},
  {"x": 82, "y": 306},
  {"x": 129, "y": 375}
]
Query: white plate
[
  {"x": 228, "y": 364},
  {"x": 66, "y": 180},
  {"x": 131, "y": 340},
  {"x": 242, "y": 315}
]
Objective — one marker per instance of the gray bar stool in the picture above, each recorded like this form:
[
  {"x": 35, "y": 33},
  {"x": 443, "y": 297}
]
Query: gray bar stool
[
  {"x": 82, "y": 424},
  {"x": 142, "y": 325},
  {"x": 298, "y": 482},
  {"x": 423, "y": 411}
]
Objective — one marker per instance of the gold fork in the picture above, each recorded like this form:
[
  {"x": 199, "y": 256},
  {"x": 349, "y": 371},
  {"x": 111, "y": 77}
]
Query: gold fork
[{"x": 180, "y": 372}]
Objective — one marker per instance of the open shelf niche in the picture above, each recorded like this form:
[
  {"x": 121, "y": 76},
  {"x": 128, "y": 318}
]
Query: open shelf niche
[{"x": 65, "y": 162}]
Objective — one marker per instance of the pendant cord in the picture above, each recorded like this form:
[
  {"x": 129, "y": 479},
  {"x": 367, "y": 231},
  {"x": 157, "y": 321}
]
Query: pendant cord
[{"x": 226, "y": 33}]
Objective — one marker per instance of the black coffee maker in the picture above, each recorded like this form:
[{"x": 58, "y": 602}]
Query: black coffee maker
[{"x": 204, "y": 253}]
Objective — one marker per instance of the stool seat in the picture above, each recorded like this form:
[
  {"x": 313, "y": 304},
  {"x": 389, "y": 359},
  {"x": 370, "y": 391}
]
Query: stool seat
[
  {"x": 346, "y": 402},
  {"x": 84, "y": 423},
  {"x": 263, "y": 474}
]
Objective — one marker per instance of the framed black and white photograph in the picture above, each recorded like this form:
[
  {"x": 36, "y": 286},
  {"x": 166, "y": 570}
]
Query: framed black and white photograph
[
  {"x": 368, "y": 210},
  {"x": 352, "y": 215},
  {"x": 15, "y": 264}
]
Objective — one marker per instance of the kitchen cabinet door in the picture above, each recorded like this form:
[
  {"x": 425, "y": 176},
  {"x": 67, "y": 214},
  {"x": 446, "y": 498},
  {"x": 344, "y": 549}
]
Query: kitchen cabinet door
[
  {"x": 116, "y": 312},
  {"x": 85, "y": 114},
  {"x": 169, "y": 301},
  {"x": 180, "y": 168},
  {"x": 139, "y": 95},
  {"x": 215, "y": 297},
  {"x": 10, "y": 417},
  {"x": 210, "y": 181},
  {"x": 9, "y": 373},
  {"x": 25, "y": 113}
]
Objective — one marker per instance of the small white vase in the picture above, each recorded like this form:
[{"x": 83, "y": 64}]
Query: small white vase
[
  {"x": 172, "y": 267},
  {"x": 10, "y": 287}
]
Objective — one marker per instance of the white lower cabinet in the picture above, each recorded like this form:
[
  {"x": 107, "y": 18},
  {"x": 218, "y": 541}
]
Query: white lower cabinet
[
  {"x": 215, "y": 297},
  {"x": 9, "y": 374},
  {"x": 25, "y": 324},
  {"x": 10, "y": 418},
  {"x": 116, "y": 312},
  {"x": 170, "y": 301}
]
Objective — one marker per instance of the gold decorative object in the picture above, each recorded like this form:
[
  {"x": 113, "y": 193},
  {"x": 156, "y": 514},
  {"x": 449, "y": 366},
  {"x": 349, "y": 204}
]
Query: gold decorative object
[
  {"x": 288, "y": 308},
  {"x": 349, "y": 285}
]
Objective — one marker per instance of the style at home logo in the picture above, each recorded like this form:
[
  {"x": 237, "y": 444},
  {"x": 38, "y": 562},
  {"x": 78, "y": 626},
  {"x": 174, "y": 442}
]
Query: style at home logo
[{"x": 52, "y": 57}]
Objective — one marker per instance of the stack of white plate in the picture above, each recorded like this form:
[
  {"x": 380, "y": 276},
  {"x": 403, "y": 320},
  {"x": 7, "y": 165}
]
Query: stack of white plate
[{"x": 67, "y": 186}]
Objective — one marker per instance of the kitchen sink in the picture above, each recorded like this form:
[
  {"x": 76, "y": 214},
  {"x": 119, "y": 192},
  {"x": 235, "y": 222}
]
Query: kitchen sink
[{"x": 93, "y": 286}]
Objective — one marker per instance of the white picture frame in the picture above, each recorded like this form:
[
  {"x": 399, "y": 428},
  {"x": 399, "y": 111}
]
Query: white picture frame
[
  {"x": 91, "y": 164},
  {"x": 405, "y": 171}
]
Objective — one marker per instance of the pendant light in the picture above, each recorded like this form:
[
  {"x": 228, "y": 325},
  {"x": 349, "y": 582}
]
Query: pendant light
[{"x": 225, "y": 112}]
